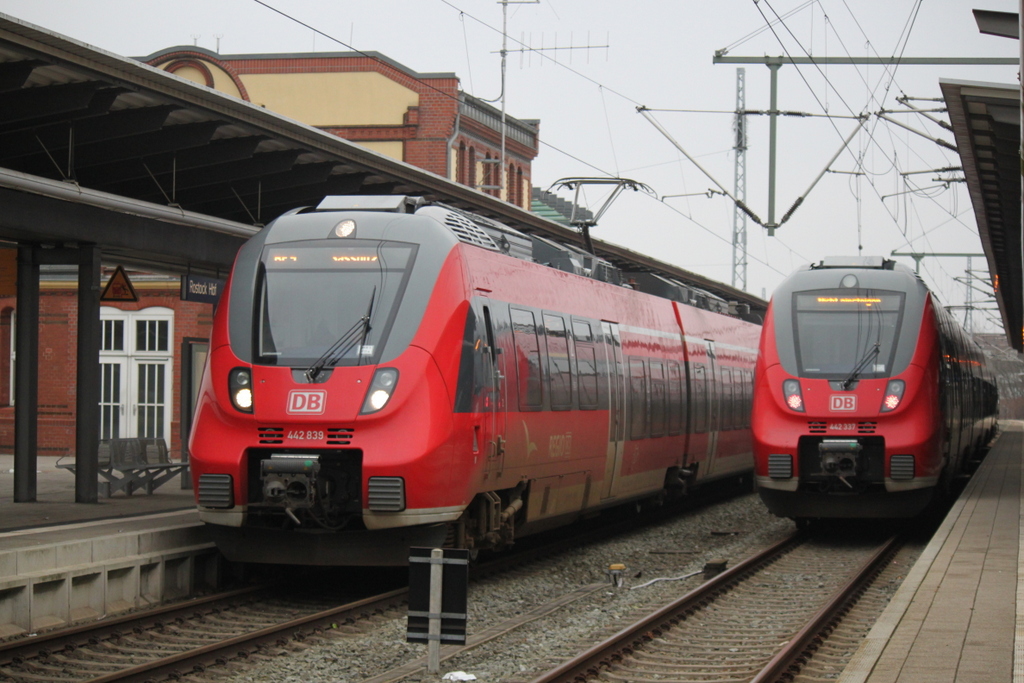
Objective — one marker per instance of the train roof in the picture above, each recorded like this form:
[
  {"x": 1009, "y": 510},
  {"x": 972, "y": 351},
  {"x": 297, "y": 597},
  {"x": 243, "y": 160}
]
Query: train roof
[
  {"x": 486, "y": 233},
  {"x": 871, "y": 272}
]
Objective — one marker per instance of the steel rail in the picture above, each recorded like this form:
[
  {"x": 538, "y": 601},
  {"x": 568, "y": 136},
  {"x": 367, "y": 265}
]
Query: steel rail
[
  {"x": 97, "y": 629},
  {"x": 214, "y": 651},
  {"x": 621, "y": 645},
  {"x": 625, "y": 641},
  {"x": 194, "y": 659},
  {"x": 55, "y": 641},
  {"x": 829, "y": 613}
]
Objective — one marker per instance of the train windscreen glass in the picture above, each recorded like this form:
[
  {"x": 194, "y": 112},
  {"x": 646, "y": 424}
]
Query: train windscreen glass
[
  {"x": 846, "y": 334},
  {"x": 316, "y": 300}
]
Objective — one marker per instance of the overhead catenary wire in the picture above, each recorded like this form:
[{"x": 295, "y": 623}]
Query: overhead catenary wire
[
  {"x": 298, "y": 21},
  {"x": 904, "y": 38},
  {"x": 588, "y": 164},
  {"x": 869, "y": 130}
]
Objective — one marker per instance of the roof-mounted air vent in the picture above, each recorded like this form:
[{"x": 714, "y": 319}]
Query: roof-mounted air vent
[{"x": 469, "y": 232}]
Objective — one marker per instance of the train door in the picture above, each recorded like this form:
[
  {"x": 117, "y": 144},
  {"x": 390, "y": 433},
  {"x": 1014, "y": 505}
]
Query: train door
[
  {"x": 495, "y": 373},
  {"x": 615, "y": 380},
  {"x": 713, "y": 392}
]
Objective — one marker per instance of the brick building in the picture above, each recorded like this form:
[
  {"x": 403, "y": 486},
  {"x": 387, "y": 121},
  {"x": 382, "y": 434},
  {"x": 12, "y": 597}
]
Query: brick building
[
  {"x": 140, "y": 361},
  {"x": 422, "y": 119}
]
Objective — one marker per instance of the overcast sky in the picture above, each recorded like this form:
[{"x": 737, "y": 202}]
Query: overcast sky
[{"x": 658, "y": 54}]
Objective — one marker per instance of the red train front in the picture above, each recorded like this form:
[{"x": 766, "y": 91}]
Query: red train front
[
  {"x": 385, "y": 373},
  {"x": 869, "y": 399}
]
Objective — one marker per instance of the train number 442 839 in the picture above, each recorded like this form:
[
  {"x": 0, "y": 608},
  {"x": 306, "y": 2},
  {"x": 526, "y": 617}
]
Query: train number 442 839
[{"x": 308, "y": 435}]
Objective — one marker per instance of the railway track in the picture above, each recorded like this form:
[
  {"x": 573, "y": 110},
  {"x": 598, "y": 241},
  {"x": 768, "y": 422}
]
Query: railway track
[
  {"x": 181, "y": 638},
  {"x": 741, "y": 619},
  {"x": 225, "y": 629},
  {"x": 758, "y": 621}
]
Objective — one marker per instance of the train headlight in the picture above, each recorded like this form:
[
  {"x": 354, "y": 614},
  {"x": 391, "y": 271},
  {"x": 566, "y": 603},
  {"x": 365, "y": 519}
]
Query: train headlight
[
  {"x": 345, "y": 228},
  {"x": 381, "y": 388},
  {"x": 240, "y": 389},
  {"x": 793, "y": 395},
  {"x": 893, "y": 395}
]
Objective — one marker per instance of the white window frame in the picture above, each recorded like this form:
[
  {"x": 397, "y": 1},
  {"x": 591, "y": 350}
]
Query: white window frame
[{"x": 130, "y": 359}]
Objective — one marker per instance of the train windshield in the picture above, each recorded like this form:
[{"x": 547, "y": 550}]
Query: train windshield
[
  {"x": 848, "y": 333},
  {"x": 316, "y": 299}
]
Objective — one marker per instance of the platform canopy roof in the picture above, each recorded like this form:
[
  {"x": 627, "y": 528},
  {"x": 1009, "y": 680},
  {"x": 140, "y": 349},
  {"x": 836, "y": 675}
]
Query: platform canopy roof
[
  {"x": 165, "y": 173},
  {"x": 986, "y": 124}
]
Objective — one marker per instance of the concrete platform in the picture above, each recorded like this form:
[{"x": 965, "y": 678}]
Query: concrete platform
[
  {"x": 55, "y": 499},
  {"x": 63, "y": 562},
  {"x": 958, "y": 614}
]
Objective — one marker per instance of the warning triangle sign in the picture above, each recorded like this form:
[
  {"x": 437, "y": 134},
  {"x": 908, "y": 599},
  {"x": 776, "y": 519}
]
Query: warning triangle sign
[{"x": 119, "y": 288}]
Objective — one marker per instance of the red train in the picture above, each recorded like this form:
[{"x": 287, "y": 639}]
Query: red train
[
  {"x": 386, "y": 373},
  {"x": 869, "y": 399}
]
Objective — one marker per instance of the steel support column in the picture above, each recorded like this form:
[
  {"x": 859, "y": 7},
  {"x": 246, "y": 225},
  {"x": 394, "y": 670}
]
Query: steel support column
[
  {"x": 26, "y": 377},
  {"x": 87, "y": 421},
  {"x": 773, "y": 116}
]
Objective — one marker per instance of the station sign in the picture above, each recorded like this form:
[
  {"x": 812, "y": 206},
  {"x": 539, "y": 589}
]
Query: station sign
[{"x": 201, "y": 289}]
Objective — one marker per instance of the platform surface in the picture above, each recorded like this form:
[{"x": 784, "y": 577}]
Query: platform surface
[
  {"x": 959, "y": 614},
  {"x": 55, "y": 516}
]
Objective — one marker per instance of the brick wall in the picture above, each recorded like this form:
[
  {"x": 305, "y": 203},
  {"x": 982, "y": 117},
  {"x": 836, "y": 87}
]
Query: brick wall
[
  {"x": 58, "y": 335},
  {"x": 427, "y": 131}
]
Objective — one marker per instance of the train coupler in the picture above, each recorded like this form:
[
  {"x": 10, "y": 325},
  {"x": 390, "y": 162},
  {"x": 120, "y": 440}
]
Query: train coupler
[{"x": 840, "y": 458}]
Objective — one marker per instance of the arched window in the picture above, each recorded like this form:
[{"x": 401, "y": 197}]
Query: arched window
[
  {"x": 461, "y": 173},
  {"x": 471, "y": 168}
]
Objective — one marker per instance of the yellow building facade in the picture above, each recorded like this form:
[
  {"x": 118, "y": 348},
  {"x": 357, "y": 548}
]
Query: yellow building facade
[{"x": 421, "y": 119}]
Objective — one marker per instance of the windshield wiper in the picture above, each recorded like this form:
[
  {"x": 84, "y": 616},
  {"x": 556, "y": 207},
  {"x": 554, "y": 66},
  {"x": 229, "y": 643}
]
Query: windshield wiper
[
  {"x": 872, "y": 352},
  {"x": 336, "y": 351}
]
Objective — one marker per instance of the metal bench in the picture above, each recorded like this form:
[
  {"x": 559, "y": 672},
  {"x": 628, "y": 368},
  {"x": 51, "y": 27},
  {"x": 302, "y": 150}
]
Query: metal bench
[{"x": 133, "y": 464}]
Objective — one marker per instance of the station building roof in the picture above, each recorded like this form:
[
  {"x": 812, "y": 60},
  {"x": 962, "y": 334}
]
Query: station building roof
[
  {"x": 171, "y": 175},
  {"x": 986, "y": 125}
]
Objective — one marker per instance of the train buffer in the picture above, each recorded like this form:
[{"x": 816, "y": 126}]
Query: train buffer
[{"x": 130, "y": 465}]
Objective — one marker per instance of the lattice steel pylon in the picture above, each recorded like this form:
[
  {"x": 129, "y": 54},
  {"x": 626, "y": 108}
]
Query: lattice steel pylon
[{"x": 739, "y": 218}]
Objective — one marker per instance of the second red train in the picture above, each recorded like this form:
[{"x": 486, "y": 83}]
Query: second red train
[{"x": 870, "y": 400}]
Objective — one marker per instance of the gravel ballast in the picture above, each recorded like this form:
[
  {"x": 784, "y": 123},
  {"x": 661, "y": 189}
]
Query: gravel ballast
[{"x": 728, "y": 530}]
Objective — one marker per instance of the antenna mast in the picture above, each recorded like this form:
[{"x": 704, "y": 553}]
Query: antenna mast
[
  {"x": 502, "y": 181},
  {"x": 739, "y": 218}
]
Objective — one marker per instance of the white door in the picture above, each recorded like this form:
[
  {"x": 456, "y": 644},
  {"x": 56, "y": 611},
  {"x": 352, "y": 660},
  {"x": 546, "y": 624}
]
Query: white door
[
  {"x": 113, "y": 373},
  {"x": 136, "y": 368},
  {"x": 149, "y": 399}
]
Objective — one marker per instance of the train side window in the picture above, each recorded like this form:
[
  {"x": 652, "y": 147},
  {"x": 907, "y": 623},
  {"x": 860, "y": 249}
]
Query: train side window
[
  {"x": 658, "y": 396},
  {"x": 699, "y": 399},
  {"x": 676, "y": 407},
  {"x": 726, "y": 394},
  {"x": 559, "y": 368},
  {"x": 586, "y": 365},
  {"x": 637, "y": 399},
  {"x": 582, "y": 331},
  {"x": 524, "y": 332}
]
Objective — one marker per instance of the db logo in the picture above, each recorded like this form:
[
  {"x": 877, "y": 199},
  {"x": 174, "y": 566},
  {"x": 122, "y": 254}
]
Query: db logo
[
  {"x": 841, "y": 402},
  {"x": 307, "y": 402}
]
